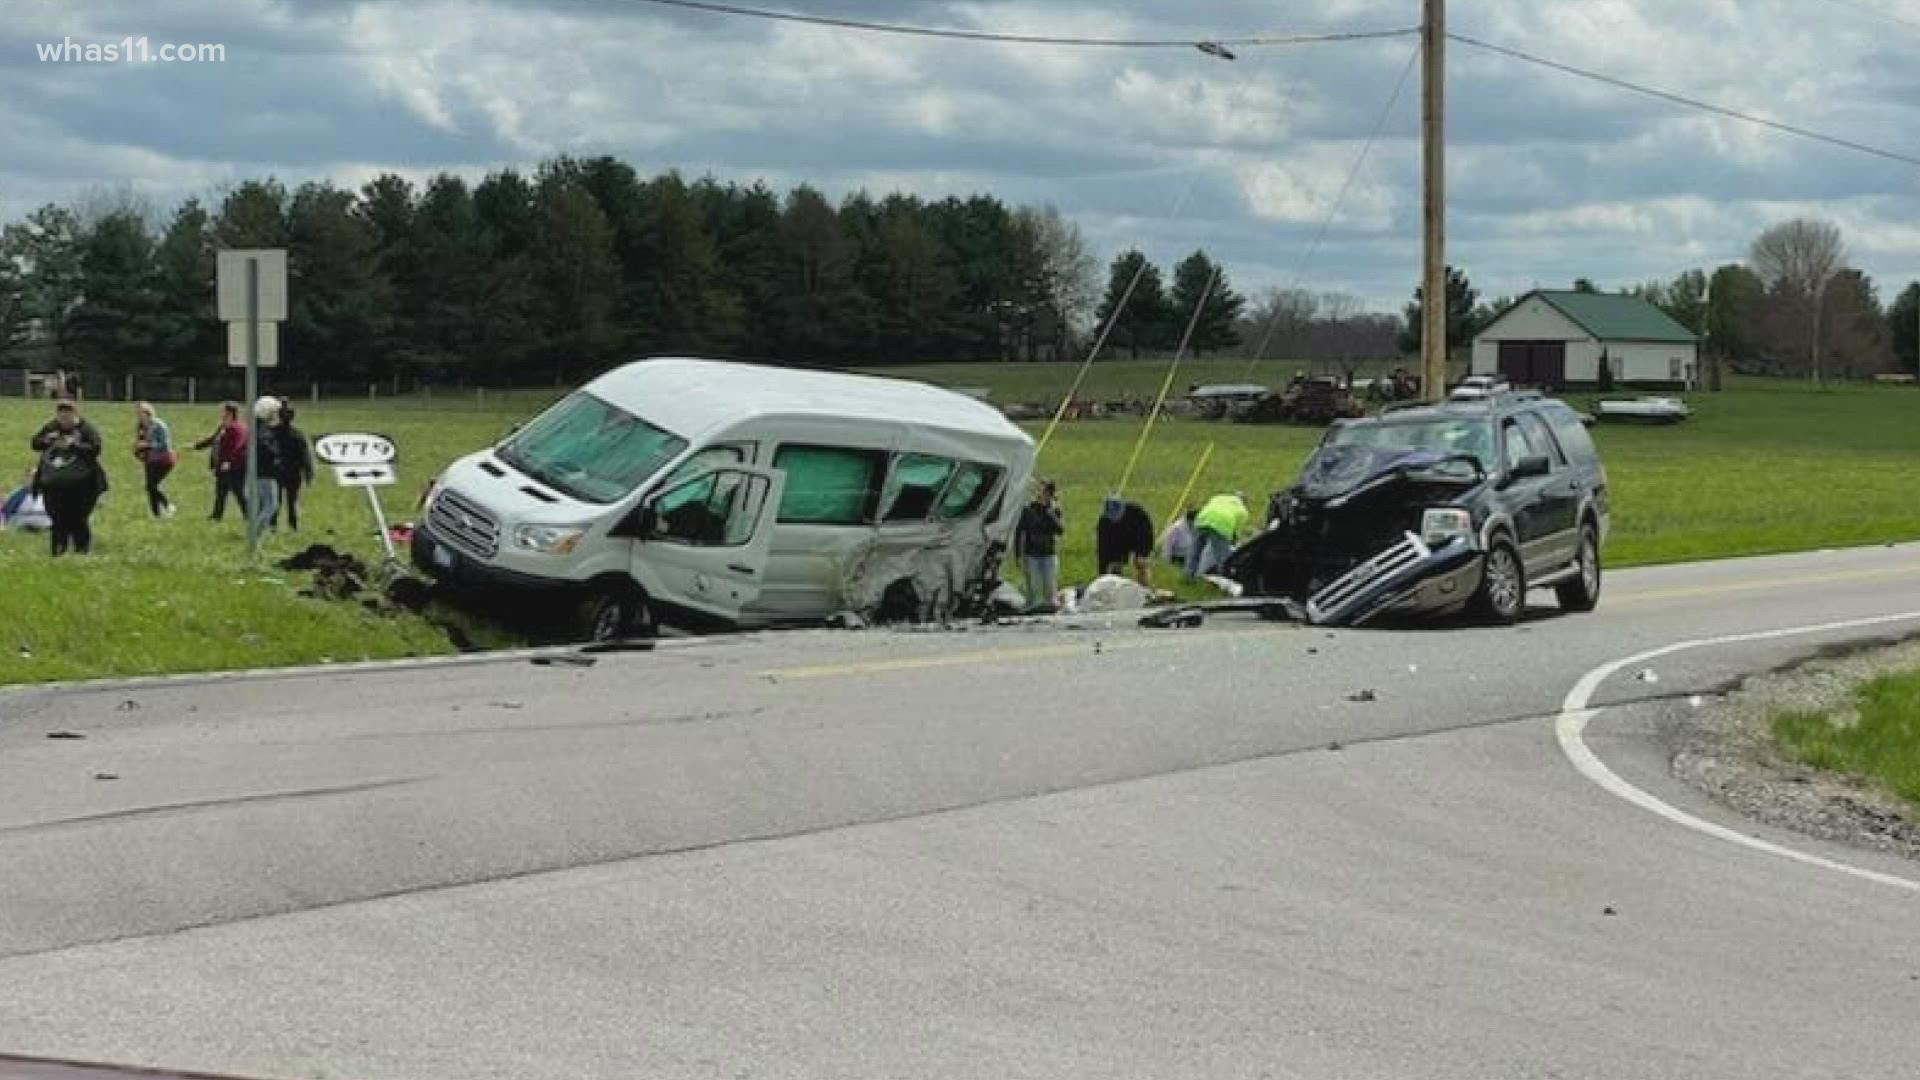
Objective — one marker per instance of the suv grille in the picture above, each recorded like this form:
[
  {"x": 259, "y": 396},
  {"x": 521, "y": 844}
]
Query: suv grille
[
  {"x": 1332, "y": 601},
  {"x": 463, "y": 525}
]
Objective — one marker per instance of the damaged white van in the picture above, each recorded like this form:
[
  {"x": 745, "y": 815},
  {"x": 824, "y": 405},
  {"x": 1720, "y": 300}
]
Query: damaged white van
[{"x": 709, "y": 494}]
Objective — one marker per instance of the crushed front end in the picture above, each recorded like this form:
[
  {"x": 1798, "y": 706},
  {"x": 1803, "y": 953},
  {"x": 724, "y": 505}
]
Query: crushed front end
[{"x": 1368, "y": 532}]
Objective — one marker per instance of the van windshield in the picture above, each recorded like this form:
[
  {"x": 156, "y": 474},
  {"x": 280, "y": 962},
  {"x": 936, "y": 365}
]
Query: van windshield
[{"x": 590, "y": 449}]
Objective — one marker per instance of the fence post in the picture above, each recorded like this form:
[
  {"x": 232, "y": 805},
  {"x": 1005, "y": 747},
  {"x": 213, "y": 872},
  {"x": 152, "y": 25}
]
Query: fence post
[
  {"x": 129, "y": 386},
  {"x": 371, "y": 390},
  {"x": 480, "y": 395},
  {"x": 314, "y": 394},
  {"x": 192, "y": 397}
]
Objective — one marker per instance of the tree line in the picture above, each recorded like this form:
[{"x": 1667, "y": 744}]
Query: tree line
[{"x": 550, "y": 276}]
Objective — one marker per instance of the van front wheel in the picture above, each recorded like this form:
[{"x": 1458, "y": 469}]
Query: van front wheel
[{"x": 613, "y": 613}]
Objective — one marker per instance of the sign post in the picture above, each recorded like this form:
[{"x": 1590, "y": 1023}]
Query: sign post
[
  {"x": 252, "y": 294},
  {"x": 366, "y": 462}
]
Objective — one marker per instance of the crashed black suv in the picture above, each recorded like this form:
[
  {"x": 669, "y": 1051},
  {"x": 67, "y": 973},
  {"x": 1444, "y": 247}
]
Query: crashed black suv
[{"x": 1436, "y": 509}]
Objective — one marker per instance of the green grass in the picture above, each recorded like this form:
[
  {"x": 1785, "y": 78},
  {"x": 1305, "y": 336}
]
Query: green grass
[
  {"x": 1765, "y": 467},
  {"x": 1878, "y": 740},
  {"x": 179, "y": 595}
]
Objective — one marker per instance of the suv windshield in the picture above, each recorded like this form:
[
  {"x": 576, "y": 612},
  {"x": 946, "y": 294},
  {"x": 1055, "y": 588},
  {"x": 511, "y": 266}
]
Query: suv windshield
[
  {"x": 590, "y": 449},
  {"x": 1448, "y": 435}
]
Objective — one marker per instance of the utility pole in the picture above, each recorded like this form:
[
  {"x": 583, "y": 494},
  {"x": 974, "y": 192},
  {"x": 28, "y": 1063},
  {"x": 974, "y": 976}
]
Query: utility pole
[{"x": 1433, "y": 306}]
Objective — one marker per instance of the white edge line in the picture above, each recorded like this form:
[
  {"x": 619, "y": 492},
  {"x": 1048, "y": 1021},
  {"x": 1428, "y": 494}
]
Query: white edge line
[
  {"x": 1575, "y": 711},
  {"x": 355, "y": 667}
]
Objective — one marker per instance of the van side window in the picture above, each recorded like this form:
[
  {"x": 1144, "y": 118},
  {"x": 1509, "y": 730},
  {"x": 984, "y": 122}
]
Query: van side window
[
  {"x": 716, "y": 510},
  {"x": 916, "y": 482},
  {"x": 713, "y": 457},
  {"x": 829, "y": 485},
  {"x": 970, "y": 488}
]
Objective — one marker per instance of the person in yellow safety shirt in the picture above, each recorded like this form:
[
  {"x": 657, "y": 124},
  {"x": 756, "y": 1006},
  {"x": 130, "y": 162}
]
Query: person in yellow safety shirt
[{"x": 1216, "y": 529}]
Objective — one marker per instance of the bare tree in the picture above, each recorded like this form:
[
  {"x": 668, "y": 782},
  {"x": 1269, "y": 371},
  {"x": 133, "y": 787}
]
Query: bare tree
[
  {"x": 1278, "y": 320},
  {"x": 1066, "y": 278},
  {"x": 1797, "y": 259}
]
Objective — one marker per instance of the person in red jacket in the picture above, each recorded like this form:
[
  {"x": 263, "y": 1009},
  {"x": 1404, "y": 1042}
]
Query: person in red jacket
[{"x": 229, "y": 461}]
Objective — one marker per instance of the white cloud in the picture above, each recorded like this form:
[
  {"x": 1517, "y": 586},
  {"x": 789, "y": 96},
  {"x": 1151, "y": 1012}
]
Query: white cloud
[{"x": 1550, "y": 176}]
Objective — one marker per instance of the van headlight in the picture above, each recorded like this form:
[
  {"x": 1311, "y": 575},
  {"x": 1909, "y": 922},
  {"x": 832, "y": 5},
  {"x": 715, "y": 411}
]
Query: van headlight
[
  {"x": 548, "y": 539},
  {"x": 1443, "y": 525}
]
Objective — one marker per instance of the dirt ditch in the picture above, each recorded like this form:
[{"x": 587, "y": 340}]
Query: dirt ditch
[{"x": 341, "y": 577}]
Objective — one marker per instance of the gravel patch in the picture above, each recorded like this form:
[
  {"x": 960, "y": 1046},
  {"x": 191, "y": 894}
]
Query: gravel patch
[{"x": 1726, "y": 749}]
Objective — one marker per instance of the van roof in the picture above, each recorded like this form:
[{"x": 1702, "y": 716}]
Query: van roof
[{"x": 692, "y": 397}]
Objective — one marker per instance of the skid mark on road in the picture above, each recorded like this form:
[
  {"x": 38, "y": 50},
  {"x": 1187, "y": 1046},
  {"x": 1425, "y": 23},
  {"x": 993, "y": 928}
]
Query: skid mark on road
[
  {"x": 1576, "y": 711},
  {"x": 168, "y": 809}
]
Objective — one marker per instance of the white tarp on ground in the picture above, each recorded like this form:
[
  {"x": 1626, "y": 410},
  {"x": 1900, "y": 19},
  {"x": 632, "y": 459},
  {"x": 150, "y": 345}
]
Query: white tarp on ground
[{"x": 1111, "y": 592}]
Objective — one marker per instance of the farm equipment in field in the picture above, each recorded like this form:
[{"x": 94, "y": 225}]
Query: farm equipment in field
[{"x": 1319, "y": 401}]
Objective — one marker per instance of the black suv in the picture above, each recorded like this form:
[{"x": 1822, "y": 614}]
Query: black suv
[{"x": 1434, "y": 509}]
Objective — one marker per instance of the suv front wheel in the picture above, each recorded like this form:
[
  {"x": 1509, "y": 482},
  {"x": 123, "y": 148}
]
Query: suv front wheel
[{"x": 1502, "y": 597}]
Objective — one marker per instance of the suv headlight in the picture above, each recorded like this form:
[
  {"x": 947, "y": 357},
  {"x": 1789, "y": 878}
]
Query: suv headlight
[
  {"x": 1443, "y": 525},
  {"x": 549, "y": 539}
]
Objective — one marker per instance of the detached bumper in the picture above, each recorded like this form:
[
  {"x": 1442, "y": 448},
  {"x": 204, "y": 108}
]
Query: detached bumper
[{"x": 1409, "y": 576}]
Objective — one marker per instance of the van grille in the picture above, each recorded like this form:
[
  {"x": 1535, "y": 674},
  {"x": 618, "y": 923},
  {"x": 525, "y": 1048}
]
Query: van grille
[{"x": 465, "y": 527}]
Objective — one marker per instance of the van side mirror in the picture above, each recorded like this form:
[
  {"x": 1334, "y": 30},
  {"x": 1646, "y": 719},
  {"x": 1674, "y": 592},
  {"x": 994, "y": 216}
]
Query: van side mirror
[{"x": 639, "y": 524}]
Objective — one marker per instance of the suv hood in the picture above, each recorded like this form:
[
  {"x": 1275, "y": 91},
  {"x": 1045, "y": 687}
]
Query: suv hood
[{"x": 1338, "y": 474}]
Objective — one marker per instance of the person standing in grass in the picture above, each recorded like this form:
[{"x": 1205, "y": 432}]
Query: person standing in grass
[
  {"x": 1036, "y": 541},
  {"x": 153, "y": 446},
  {"x": 229, "y": 460},
  {"x": 296, "y": 465},
  {"x": 266, "y": 483},
  {"x": 69, "y": 477}
]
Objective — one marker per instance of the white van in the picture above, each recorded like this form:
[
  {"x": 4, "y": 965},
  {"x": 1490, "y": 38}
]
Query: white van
[{"x": 706, "y": 493}]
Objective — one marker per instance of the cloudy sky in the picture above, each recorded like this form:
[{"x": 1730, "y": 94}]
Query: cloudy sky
[{"x": 1550, "y": 177}]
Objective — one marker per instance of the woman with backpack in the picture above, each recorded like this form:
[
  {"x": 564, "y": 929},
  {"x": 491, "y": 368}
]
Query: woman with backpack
[{"x": 69, "y": 477}]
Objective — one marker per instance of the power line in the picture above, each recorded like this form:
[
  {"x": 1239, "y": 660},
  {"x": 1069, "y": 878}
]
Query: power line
[
  {"x": 1333, "y": 211},
  {"x": 1213, "y": 46},
  {"x": 1692, "y": 103}
]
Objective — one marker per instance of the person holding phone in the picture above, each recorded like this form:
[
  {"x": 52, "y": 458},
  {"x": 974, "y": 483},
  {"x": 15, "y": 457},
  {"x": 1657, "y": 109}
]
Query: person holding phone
[
  {"x": 69, "y": 477},
  {"x": 1036, "y": 543}
]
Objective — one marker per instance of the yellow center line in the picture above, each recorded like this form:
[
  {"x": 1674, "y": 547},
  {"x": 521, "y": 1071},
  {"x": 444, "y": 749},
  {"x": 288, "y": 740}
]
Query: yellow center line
[
  {"x": 1695, "y": 591},
  {"x": 1081, "y": 647}
]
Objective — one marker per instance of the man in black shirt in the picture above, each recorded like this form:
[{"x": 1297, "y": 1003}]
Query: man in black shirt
[
  {"x": 1036, "y": 544},
  {"x": 1124, "y": 538}
]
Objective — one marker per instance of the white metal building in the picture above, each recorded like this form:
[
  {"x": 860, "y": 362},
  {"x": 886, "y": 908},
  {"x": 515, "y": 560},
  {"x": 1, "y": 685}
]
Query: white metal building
[{"x": 1558, "y": 339}]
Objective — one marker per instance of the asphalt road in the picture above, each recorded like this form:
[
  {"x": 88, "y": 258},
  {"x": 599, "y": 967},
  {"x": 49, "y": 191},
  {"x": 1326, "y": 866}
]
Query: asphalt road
[{"x": 1026, "y": 852}]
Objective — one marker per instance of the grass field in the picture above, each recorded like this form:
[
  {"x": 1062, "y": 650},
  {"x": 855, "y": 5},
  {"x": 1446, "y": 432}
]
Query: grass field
[
  {"x": 1761, "y": 468},
  {"x": 1879, "y": 740}
]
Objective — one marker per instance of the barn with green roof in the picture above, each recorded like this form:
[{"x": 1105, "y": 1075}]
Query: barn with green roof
[{"x": 1557, "y": 340}]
